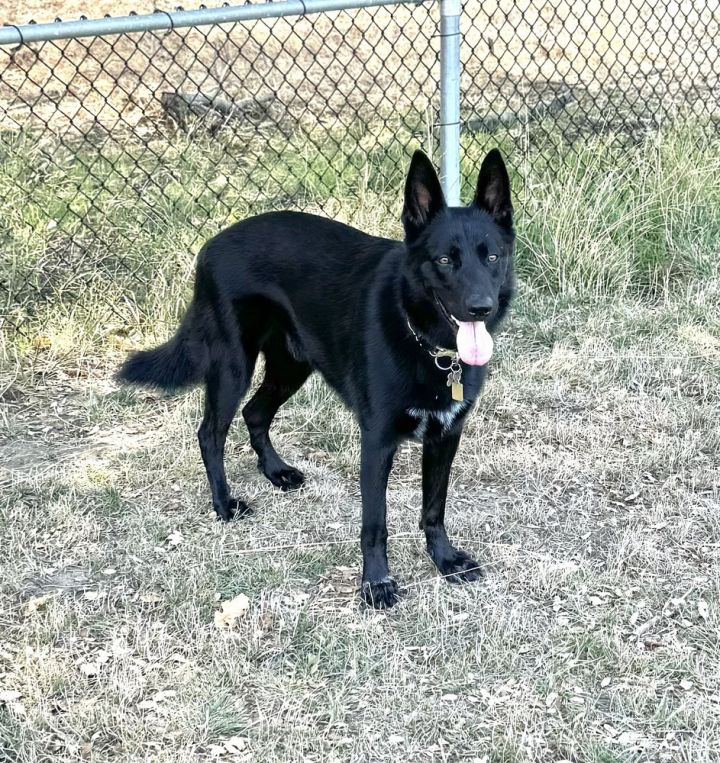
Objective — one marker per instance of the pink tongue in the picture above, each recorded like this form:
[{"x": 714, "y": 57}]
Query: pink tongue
[{"x": 474, "y": 344}]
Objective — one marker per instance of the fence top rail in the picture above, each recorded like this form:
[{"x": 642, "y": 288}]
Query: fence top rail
[{"x": 12, "y": 34}]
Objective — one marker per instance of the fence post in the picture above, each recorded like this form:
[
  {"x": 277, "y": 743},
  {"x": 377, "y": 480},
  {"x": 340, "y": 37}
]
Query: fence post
[{"x": 450, "y": 100}]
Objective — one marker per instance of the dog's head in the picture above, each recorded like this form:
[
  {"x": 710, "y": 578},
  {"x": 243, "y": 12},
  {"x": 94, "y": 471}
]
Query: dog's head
[{"x": 460, "y": 258}]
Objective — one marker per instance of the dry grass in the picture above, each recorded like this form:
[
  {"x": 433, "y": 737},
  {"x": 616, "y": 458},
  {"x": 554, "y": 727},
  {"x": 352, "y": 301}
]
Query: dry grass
[{"x": 588, "y": 483}]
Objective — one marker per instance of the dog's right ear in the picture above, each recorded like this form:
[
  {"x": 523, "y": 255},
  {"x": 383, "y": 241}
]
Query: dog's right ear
[{"x": 423, "y": 196}]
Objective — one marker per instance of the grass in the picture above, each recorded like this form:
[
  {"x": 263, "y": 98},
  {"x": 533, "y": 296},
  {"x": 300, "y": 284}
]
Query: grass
[
  {"x": 79, "y": 223},
  {"x": 587, "y": 482}
]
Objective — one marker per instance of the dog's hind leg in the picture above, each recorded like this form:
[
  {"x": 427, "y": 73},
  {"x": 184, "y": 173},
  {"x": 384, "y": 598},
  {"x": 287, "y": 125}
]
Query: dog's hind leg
[
  {"x": 284, "y": 375},
  {"x": 225, "y": 385}
]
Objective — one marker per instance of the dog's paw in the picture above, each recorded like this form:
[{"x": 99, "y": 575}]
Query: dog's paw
[
  {"x": 234, "y": 509},
  {"x": 458, "y": 567},
  {"x": 380, "y": 594},
  {"x": 286, "y": 479}
]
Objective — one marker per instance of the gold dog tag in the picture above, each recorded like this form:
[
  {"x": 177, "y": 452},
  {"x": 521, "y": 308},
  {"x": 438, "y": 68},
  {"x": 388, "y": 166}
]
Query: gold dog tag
[{"x": 457, "y": 391}]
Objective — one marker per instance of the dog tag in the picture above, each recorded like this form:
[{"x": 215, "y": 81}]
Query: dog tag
[
  {"x": 454, "y": 380},
  {"x": 457, "y": 391}
]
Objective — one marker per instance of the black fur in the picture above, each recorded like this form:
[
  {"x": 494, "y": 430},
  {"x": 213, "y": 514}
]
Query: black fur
[{"x": 314, "y": 294}]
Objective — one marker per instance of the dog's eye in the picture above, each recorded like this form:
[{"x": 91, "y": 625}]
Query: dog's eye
[
  {"x": 443, "y": 261},
  {"x": 492, "y": 257}
]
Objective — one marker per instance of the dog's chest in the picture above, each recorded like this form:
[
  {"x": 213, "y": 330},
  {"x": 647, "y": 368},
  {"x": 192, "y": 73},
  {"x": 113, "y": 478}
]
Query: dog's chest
[{"x": 436, "y": 422}]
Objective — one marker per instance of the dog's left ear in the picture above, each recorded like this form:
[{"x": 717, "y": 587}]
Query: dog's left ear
[
  {"x": 493, "y": 189},
  {"x": 423, "y": 196}
]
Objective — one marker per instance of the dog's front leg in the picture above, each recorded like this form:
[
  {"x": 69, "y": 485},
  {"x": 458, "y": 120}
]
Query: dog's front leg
[
  {"x": 438, "y": 456},
  {"x": 378, "y": 588}
]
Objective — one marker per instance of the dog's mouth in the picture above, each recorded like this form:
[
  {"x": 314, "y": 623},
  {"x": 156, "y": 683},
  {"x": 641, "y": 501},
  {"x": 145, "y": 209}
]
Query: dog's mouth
[{"x": 474, "y": 343}]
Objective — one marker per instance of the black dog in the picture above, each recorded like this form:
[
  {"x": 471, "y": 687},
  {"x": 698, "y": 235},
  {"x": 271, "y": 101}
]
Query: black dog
[{"x": 398, "y": 329}]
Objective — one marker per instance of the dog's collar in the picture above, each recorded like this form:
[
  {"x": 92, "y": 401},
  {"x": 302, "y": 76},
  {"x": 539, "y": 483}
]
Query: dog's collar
[
  {"x": 425, "y": 345},
  {"x": 454, "y": 369}
]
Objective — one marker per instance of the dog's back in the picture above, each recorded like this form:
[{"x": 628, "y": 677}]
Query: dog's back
[{"x": 282, "y": 272}]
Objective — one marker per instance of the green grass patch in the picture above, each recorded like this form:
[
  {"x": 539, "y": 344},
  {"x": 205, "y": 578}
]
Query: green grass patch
[{"x": 99, "y": 242}]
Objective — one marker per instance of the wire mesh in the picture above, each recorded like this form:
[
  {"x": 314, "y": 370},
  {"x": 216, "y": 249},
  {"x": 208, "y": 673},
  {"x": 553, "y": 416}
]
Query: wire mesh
[
  {"x": 120, "y": 154},
  {"x": 190, "y": 129},
  {"x": 546, "y": 77}
]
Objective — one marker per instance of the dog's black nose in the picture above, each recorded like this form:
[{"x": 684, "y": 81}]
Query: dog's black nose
[{"x": 480, "y": 307}]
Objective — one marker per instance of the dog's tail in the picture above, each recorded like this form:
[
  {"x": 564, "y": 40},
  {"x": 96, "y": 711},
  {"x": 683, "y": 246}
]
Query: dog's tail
[{"x": 181, "y": 362}]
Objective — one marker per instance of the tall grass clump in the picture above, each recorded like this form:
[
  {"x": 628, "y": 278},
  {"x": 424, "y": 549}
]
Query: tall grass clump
[{"x": 608, "y": 221}]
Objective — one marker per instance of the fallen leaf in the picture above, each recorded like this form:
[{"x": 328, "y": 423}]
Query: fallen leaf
[
  {"x": 703, "y": 609},
  {"x": 235, "y": 744},
  {"x": 631, "y": 738},
  {"x": 42, "y": 342},
  {"x": 8, "y": 695},
  {"x": 164, "y": 694},
  {"x": 232, "y": 610},
  {"x": 89, "y": 669},
  {"x": 38, "y": 602}
]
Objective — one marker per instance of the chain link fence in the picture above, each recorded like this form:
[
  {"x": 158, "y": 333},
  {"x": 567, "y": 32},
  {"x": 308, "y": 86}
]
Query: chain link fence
[
  {"x": 121, "y": 153},
  {"x": 560, "y": 72}
]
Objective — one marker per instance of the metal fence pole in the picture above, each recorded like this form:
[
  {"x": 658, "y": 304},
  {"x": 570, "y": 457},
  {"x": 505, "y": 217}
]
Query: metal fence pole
[{"x": 450, "y": 100}]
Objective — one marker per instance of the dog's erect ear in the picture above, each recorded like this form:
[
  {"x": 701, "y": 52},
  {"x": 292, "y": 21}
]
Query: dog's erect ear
[
  {"x": 423, "y": 196},
  {"x": 493, "y": 189}
]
